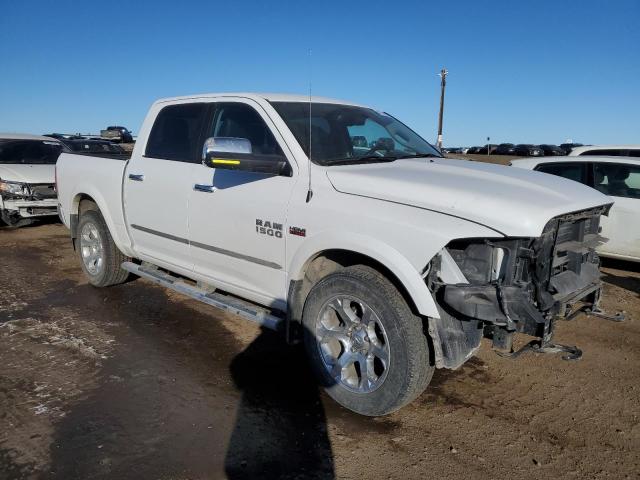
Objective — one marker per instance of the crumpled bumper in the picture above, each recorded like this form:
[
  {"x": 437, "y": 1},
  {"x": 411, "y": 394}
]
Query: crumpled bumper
[
  {"x": 524, "y": 289},
  {"x": 30, "y": 208}
]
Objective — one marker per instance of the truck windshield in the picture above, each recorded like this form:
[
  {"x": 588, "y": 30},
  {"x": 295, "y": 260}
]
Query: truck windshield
[
  {"x": 348, "y": 134},
  {"x": 29, "y": 152}
]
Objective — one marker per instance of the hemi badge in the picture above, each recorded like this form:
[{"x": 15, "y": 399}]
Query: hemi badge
[{"x": 300, "y": 232}]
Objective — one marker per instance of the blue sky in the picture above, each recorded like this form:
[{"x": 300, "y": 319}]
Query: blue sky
[{"x": 520, "y": 71}]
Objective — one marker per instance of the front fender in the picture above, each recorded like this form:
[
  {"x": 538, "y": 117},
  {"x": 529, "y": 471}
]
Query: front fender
[{"x": 379, "y": 251}]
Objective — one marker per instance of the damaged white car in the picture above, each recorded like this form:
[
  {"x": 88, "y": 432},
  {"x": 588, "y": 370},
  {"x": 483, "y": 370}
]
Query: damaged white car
[{"x": 27, "y": 177}]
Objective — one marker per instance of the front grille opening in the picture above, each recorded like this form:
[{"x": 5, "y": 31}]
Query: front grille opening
[{"x": 574, "y": 263}]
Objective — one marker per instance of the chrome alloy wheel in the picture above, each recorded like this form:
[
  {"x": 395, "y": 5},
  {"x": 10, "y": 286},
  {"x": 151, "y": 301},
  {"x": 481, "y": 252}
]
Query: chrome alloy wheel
[
  {"x": 91, "y": 249},
  {"x": 353, "y": 344}
]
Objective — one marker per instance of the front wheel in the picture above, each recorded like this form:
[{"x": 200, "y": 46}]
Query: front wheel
[
  {"x": 366, "y": 346},
  {"x": 100, "y": 258}
]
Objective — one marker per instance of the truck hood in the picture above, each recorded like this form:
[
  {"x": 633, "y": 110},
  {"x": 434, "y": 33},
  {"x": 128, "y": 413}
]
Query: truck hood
[
  {"x": 511, "y": 201},
  {"x": 27, "y": 173}
]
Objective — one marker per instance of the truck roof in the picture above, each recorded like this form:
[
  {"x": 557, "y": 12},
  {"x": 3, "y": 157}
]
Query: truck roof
[{"x": 270, "y": 97}]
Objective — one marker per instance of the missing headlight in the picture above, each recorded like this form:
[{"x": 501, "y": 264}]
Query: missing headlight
[
  {"x": 498, "y": 266},
  {"x": 481, "y": 262}
]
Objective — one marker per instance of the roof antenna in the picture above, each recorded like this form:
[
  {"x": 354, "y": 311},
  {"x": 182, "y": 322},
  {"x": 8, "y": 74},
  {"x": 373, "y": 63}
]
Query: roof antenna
[{"x": 309, "y": 166}]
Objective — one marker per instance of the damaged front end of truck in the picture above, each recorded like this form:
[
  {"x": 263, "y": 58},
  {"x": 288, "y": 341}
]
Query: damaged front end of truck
[{"x": 499, "y": 287}]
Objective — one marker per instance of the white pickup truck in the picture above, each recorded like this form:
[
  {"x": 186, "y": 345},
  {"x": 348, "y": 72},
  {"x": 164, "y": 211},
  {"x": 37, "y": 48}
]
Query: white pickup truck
[{"x": 341, "y": 226}]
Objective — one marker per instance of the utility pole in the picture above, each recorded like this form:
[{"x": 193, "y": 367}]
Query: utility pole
[{"x": 443, "y": 83}]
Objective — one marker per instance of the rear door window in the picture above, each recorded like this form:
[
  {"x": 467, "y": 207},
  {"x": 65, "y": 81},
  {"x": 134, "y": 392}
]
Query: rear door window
[
  {"x": 575, "y": 171},
  {"x": 176, "y": 133},
  {"x": 617, "y": 179}
]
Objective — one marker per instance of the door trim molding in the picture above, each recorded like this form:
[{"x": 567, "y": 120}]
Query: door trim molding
[{"x": 211, "y": 248}]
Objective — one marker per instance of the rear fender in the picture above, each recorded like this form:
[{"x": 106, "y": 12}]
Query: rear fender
[{"x": 113, "y": 216}]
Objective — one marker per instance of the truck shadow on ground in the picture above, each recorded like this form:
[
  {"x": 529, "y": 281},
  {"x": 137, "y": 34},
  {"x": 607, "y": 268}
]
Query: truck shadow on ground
[
  {"x": 165, "y": 406},
  {"x": 280, "y": 429}
]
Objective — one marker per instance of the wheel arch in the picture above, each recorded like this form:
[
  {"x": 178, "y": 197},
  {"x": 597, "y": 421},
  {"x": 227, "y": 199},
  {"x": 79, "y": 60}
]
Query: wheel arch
[
  {"x": 308, "y": 268},
  {"x": 83, "y": 201},
  {"x": 80, "y": 203}
]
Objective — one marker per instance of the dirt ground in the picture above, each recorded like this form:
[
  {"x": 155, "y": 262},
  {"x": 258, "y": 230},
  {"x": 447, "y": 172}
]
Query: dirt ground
[{"x": 134, "y": 382}]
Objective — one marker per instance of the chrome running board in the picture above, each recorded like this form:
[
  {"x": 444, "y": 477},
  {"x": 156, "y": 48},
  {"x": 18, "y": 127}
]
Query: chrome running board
[{"x": 247, "y": 310}]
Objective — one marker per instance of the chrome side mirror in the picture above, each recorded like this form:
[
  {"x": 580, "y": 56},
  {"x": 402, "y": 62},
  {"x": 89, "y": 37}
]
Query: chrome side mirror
[
  {"x": 230, "y": 153},
  {"x": 225, "y": 146}
]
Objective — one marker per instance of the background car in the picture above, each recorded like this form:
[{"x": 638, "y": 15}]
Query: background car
[
  {"x": 27, "y": 179},
  {"x": 488, "y": 149},
  {"x": 618, "y": 177},
  {"x": 88, "y": 145},
  {"x": 567, "y": 147},
  {"x": 552, "y": 150},
  {"x": 472, "y": 150},
  {"x": 505, "y": 149},
  {"x": 528, "y": 150},
  {"x": 607, "y": 150},
  {"x": 117, "y": 134}
]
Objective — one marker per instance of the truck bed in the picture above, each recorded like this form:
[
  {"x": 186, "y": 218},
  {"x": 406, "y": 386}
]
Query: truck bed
[
  {"x": 99, "y": 178},
  {"x": 112, "y": 156}
]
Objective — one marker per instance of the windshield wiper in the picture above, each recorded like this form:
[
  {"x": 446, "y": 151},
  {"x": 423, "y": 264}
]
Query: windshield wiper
[
  {"x": 420, "y": 155},
  {"x": 365, "y": 159},
  {"x": 377, "y": 158}
]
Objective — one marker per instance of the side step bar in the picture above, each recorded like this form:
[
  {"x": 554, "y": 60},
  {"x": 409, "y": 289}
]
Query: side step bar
[{"x": 244, "y": 309}]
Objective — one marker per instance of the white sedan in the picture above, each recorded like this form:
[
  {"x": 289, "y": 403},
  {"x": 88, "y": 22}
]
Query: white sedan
[
  {"x": 27, "y": 177},
  {"x": 618, "y": 177},
  {"x": 606, "y": 150}
]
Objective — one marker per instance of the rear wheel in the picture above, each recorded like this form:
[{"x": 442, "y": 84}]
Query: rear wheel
[
  {"x": 366, "y": 346},
  {"x": 99, "y": 256}
]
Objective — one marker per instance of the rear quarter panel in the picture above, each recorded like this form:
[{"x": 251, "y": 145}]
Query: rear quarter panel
[{"x": 100, "y": 179}]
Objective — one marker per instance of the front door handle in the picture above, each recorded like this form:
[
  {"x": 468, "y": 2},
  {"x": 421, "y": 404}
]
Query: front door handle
[
  {"x": 136, "y": 177},
  {"x": 204, "y": 188}
]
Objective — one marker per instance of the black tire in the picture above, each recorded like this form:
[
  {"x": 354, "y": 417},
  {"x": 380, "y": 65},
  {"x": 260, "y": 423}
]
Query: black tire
[
  {"x": 409, "y": 369},
  {"x": 110, "y": 272}
]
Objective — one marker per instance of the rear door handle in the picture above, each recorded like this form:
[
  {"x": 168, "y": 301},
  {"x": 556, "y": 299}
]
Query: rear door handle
[
  {"x": 204, "y": 188},
  {"x": 136, "y": 177}
]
